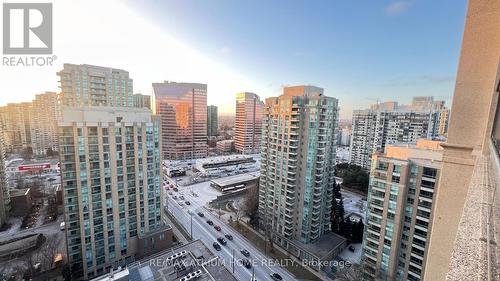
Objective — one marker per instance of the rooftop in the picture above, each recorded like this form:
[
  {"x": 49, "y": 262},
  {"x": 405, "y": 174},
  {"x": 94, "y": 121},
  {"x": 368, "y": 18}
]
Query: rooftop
[
  {"x": 177, "y": 264},
  {"x": 423, "y": 149},
  {"x": 236, "y": 179},
  {"x": 19, "y": 192},
  {"x": 322, "y": 247},
  {"x": 19, "y": 162},
  {"x": 222, "y": 159}
]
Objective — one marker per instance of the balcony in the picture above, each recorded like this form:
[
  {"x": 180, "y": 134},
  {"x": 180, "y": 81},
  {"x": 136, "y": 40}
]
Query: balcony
[{"x": 476, "y": 247}]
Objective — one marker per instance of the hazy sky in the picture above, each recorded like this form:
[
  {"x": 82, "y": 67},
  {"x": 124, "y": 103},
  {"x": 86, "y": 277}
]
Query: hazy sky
[{"x": 359, "y": 51}]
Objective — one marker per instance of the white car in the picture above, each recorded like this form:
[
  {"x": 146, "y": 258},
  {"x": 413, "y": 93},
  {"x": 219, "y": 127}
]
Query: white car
[{"x": 181, "y": 203}]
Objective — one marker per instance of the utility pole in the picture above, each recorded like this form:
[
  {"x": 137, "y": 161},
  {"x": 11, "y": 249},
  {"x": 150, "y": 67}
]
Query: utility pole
[
  {"x": 233, "y": 260},
  {"x": 191, "y": 226}
]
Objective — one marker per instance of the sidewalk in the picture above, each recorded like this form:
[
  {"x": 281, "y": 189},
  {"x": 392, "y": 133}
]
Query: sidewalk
[{"x": 178, "y": 230}]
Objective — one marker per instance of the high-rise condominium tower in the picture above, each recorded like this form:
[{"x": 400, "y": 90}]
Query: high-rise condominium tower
[
  {"x": 373, "y": 129},
  {"x": 403, "y": 182},
  {"x": 183, "y": 111},
  {"x": 111, "y": 177},
  {"x": 90, "y": 85},
  {"x": 248, "y": 126},
  {"x": 15, "y": 121},
  {"x": 4, "y": 190},
  {"x": 298, "y": 152},
  {"x": 212, "y": 120},
  {"x": 141, "y": 101},
  {"x": 44, "y": 116}
]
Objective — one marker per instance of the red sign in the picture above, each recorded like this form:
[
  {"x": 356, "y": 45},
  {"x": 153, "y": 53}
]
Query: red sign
[{"x": 34, "y": 167}]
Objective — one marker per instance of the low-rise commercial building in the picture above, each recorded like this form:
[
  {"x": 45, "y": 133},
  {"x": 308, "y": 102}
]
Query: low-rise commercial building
[
  {"x": 236, "y": 183},
  {"x": 21, "y": 201},
  {"x": 35, "y": 167},
  {"x": 225, "y": 146},
  {"x": 229, "y": 163}
]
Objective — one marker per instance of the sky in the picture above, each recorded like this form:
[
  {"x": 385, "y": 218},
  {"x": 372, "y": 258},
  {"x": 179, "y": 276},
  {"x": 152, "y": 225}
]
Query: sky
[{"x": 359, "y": 51}]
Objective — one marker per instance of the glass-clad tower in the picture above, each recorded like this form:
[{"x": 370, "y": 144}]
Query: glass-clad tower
[{"x": 298, "y": 152}]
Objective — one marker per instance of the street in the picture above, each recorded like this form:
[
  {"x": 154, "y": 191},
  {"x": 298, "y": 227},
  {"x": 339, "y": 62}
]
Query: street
[{"x": 262, "y": 265}]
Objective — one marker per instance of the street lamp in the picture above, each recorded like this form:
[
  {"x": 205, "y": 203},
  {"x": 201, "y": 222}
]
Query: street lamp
[{"x": 191, "y": 226}]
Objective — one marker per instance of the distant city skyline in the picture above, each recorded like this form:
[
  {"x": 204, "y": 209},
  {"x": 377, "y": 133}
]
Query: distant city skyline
[{"x": 181, "y": 41}]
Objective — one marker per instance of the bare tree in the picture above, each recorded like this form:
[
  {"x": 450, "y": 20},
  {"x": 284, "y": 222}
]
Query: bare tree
[
  {"x": 48, "y": 251},
  {"x": 252, "y": 200},
  {"x": 238, "y": 213}
]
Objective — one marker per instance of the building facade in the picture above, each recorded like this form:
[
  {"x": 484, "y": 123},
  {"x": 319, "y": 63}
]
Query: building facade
[
  {"x": 15, "y": 122},
  {"x": 248, "y": 123},
  {"x": 372, "y": 130},
  {"x": 111, "y": 178},
  {"x": 44, "y": 117},
  {"x": 141, "y": 101},
  {"x": 464, "y": 243},
  {"x": 182, "y": 108},
  {"x": 212, "y": 121},
  {"x": 299, "y": 134},
  {"x": 403, "y": 183},
  {"x": 90, "y": 85},
  {"x": 4, "y": 189}
]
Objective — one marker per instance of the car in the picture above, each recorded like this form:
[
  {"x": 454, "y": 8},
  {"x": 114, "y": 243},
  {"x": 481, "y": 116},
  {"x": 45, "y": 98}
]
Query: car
[
  {"x": 176, "y": 189},
  {"x": 181, "y": 197},
  {"x": 229, "y": 237},
  {"x": 247, "y": 263},
  {"x": 216, "y": 246},
  {"x": 244, "y": 252},
  {"x": 62, "y": 226},
  {"x": 188, "y": 203},
  {"x": 210, "y": 222},
  {"x": 217, "y": 228},
  {"x": 181, "y": 203},
  {"x": 275, "y": 276},
  {"x": 174, "y": 197},
  {"x": 222, "y": 240},
  {"x": 352, "y": 249},
  {"x": 201, "y": 214}
]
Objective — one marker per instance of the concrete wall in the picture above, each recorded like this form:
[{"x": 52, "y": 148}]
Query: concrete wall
[{"x": 474, "y": 104}]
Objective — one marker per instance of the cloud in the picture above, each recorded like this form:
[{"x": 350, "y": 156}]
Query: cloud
[
  {"x": 398, "y": 7},
  {"x": 225, "y": 50}
]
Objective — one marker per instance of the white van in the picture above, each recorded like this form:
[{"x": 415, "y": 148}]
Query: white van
[{"x": 63, "y": 226}]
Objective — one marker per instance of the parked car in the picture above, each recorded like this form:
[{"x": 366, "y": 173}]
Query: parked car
[
  {"x": 62, "y": 226},
  {"x": 222, "y": 240},
  {"x": 216, "y": 246},
  {"x": 229, "y": 237},
  {"x": 217, "y": 228},
  {"x": 275, "y": 276},
  {"x": 188, "y": 203},
  {"x": 352, "y": 249},
  {"x": 201, "y": 214},
  {"x": 210, "y": 222},
  {"x": 181, "y": 197},
  {"x": 245, "y": 252}
]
